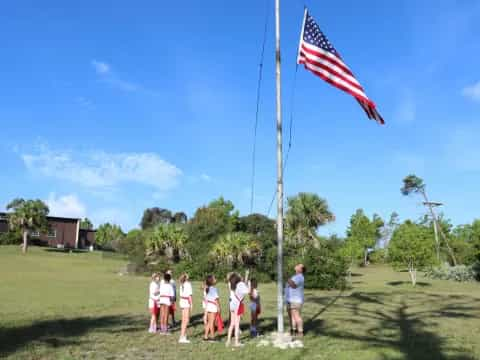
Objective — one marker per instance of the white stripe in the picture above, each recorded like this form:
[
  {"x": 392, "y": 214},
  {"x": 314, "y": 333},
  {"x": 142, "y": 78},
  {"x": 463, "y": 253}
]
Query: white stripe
[
  {"x": 326, "y": 53},
  {"x": 335, "y": 79},
  {"x": 331, "y": 66}
]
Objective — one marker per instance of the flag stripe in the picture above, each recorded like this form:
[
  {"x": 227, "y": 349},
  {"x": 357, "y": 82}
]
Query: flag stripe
[
  {"x": 327, "y": 56},
  {"x": 331, "y": 68},
  {"x": 334, "y": 80}
]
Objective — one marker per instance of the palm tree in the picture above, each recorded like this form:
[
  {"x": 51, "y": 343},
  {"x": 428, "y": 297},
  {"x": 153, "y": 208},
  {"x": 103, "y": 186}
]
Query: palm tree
[
  {"x": 305, "y": 214},
  {"x": 27, "y": 216},
  {"x": 412, "y": 184},
  {"x": 169, "y": 240},
  {"x": 236, "y": 248}
]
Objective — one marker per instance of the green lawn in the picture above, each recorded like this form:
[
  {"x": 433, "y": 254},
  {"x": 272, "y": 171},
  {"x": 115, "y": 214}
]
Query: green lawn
[{"x": 76, "y": 306}]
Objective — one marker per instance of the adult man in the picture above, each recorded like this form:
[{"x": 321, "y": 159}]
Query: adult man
[{"x": 295, "y": 299}]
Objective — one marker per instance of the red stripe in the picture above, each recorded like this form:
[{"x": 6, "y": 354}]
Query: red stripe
[
  {"x": 328, "y": 58},
  {"x": 332, "y": 71},
  {"x": 332, "y": 82}
]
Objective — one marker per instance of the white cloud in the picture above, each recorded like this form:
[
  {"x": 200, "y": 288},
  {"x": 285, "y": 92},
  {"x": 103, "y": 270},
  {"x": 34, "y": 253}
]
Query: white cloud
[
  {"x": 102, "y": 170},
  {"x": 472, "y": 92},
  {"x": 101, "y": 67},
  {"x": 206, "y": 178},
  {"x": 66, "y": 206},
  {"x": 107, "y": 75}
]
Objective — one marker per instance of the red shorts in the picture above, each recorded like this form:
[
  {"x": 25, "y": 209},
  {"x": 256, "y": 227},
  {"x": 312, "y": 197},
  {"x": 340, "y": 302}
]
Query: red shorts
[
  {"x": 241, "y": 309},
  {"x": 154, "y": 310}
]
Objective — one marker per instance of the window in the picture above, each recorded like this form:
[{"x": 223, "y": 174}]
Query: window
[
  {"x": 35, "y": 234},
  {"x": 3, "y": 217},
  {"x": 52, "y": 233}
]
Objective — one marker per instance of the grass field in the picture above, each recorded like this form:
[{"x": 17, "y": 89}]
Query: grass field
[{"x": 77, "y": 306}]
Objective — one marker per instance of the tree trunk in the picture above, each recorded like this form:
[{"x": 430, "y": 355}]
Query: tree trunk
[
  {"x": 413, "y": 275},
  {"x": 365, "y": 256},
  {"x": 25, "y": 241}
]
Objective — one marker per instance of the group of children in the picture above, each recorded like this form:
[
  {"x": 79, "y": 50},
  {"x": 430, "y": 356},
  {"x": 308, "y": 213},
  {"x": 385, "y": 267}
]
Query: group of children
[{"x": 162, "y": 305}]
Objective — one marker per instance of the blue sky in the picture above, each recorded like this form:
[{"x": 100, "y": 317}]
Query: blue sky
[{"x": 107, "y": 108}]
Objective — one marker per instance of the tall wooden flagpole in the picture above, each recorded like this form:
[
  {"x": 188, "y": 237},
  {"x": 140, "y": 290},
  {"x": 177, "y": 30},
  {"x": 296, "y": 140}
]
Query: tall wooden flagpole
[{"x": 279, "y": 173}]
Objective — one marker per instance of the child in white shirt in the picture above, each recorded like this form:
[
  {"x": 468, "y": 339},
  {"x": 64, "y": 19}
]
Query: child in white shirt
[
  {"x": 186, "y": 306},
  {"x": 165, "y": 301},
  {"x": 237, "y": 308},
  {"x": 212, "y": 307},
  {"x": 153, "y": 297}
]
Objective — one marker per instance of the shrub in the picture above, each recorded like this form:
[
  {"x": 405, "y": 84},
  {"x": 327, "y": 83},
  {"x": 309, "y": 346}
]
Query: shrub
[
  {"x": 10, "y": 238},
  {"x": 459, "y": 273},
  {"x": 326, "y": 268},
  {"x": 378, "y": 256}
]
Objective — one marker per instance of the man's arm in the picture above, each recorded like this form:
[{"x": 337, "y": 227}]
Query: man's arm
[{"x": 291, "y": 283}]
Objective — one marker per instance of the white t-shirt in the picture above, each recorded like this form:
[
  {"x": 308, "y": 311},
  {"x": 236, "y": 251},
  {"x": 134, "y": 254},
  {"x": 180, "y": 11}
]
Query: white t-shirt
[
  {"x": 153, "y": 294},
  {"x": 296, "y": 295},
  {"x": 186, "y": 292},
  {"x": 166, "y": 294},
  {"x": 210, "y": 299},
  {"x": 238, "y": 295}
]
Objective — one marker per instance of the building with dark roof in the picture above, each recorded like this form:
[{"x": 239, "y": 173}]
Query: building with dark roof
[{"x": 63, "y": 232}]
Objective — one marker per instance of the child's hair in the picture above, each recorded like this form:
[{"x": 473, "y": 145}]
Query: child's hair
[
  {"x": 209, "y": 280},
  {"x": 253, "y": 283},
  {"x": 154, "y": 275},
  {"x": 167, "y": 277},
  {"x": 182, "y": 279},
  {"x": 234, "y": 280}
]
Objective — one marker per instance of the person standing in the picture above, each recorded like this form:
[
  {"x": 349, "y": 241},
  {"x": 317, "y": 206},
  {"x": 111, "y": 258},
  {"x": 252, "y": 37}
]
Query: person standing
[
  {"x": 237, "y": 308},
  {"x": 185, "y": 306},
  {"x": 295, "y": 299},
  {"x": 166, "y": 296},
  {"x": 154, "y": 296},
  {"x": 212, "y": 307}
]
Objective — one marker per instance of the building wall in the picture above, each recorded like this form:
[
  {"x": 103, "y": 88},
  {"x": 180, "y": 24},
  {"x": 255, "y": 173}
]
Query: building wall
[
  {"x": 3, "y": 226},
  {"x": 63, "y": 232},
  {"x": 86, "y": 238}
]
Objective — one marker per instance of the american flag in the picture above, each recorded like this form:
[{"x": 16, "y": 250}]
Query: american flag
[{"x": 319, "y": 56}]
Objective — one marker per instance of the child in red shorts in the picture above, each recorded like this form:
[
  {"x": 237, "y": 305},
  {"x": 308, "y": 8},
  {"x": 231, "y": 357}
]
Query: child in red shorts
[{"x": 154, "y": 294}]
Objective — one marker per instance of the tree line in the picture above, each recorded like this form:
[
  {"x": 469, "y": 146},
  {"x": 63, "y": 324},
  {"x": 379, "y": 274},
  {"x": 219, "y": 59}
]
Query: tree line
[{"x": 216, "y": 238}]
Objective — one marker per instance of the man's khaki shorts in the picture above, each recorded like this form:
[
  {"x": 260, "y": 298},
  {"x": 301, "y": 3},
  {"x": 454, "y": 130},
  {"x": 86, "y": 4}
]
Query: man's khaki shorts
[{"x": 295, "y": 306}]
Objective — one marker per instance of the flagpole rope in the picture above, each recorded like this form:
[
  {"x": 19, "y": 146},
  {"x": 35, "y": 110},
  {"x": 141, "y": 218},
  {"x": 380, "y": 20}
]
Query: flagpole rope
[
  {"x": 290, "y": 133},
  {"x": 257, "y": 110}
]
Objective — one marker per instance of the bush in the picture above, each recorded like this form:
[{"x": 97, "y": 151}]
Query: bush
[
  {"x": 326, "y": 268},
  {"x": 10, "y": 238},
  {"x": 476, "y": 270},
  {"x": 378, "y": 256},
  {"x": 459, "y": 273}
]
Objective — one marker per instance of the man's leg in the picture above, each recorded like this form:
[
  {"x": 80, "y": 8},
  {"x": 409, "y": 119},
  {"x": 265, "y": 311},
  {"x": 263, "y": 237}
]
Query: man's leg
[{"x": 297, "y": 318}]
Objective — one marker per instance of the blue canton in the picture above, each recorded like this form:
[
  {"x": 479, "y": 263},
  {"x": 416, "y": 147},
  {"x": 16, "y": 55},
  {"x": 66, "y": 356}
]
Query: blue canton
[{"x": 314, "y": 36}]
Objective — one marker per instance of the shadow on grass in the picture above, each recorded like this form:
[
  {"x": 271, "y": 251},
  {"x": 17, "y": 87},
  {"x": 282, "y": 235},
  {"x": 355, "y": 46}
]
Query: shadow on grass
[
  {"x": 378, "y": 319},
  {"x": 401, "y": 283},
  {"x": 63, "y": 332}
]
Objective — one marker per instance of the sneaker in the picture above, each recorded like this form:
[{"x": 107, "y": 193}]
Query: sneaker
[
  {"x": 183, "y": 340},
  {"x": 239, "y": 345}
]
